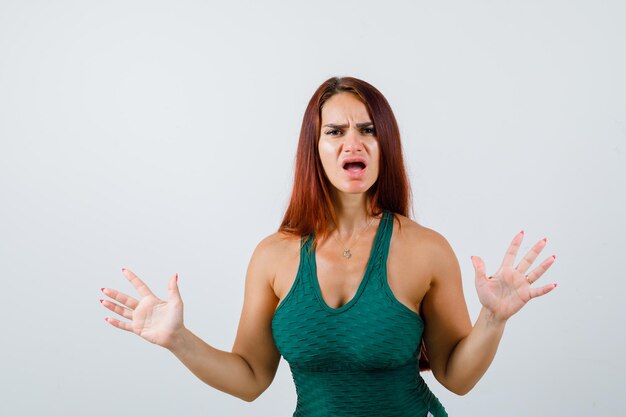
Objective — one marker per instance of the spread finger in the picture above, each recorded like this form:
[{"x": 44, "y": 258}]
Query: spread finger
[
  {"x": 530, "y": 257},
  {"x": 121, "y": 298},
  {"x": 541, "y": 269},
  {"x": 116, "y": 308},
  {"x": 511, "y": 252},
  {"x": 119, "y": 324},
  {"x": 139, "y": 285}
]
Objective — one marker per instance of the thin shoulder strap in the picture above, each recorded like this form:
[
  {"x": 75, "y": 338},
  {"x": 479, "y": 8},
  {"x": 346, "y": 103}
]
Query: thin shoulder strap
[
  {"x": 306, "y": 246},
  {"x": 307, "y": 257},
  {"x": 386, "y": 225}
]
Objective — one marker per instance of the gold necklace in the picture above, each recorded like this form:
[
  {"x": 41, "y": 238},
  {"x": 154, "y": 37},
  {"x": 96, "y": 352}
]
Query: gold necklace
[{"x": 346, "y": 250}]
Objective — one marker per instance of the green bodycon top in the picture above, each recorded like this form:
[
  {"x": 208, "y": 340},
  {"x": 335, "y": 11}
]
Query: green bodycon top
[{"x": 358, "y": 360}]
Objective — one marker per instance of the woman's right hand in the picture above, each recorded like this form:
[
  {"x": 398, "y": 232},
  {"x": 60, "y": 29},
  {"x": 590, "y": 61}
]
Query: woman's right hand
[{"x": 155, "y": 320}]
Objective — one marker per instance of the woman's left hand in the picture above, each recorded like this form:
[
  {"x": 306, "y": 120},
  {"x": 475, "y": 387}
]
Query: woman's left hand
[{"x": 509, "y": 289}]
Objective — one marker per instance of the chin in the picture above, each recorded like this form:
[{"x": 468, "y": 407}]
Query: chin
[{"x": 354, "y": 188}]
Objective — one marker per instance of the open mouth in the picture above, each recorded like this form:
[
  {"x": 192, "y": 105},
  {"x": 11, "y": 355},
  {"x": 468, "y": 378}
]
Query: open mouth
[{"x": 354, "y": 166}]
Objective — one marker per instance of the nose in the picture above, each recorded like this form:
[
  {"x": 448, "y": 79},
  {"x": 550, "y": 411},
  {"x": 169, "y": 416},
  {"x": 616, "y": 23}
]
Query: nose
[{"x": 352, "y": 141}]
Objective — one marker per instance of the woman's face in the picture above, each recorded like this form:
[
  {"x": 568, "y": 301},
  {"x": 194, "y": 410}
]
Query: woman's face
[{"x": 347, "y": 145}]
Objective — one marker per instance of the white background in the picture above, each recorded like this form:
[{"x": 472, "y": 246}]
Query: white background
[{"x": 160, "y": 136}]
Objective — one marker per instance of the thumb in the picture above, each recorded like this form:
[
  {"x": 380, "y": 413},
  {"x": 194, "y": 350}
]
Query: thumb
[
  {"x": 479, "y": 267},
  {"x": 172, "y": 289}
]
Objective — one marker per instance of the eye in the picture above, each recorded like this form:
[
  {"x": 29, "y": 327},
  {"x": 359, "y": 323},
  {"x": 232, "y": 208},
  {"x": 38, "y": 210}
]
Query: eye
[
  {"x": 333, "y": 132},
  {"x": 369, "y": 131}
]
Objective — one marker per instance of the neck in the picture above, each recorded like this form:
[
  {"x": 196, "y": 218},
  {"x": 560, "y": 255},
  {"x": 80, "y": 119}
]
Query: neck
[{"x": 352, "y": 213}]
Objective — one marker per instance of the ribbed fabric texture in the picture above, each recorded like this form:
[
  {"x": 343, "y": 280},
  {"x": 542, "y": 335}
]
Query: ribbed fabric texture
[{"x": 357, "y": 360}]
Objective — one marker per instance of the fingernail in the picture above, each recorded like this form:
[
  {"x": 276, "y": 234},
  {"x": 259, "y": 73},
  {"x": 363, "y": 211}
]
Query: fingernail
[
  {"x": 553, "y": 256},
  {"x": 177, "y": 277},
  {"x": 101, "y": 300},
  {"x": 123, "y": 269},
  {"x": 555, "y": 285},
  {"x": 545, "y": 239},
  {"x": 102, "y": 289},
  {"x": 106, "y": 319},
  {"x": 522, "y": 232}
]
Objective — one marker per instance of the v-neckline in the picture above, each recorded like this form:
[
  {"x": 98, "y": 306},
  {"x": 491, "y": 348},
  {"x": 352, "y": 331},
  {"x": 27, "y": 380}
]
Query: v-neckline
[{"x": 364, "y": 279}]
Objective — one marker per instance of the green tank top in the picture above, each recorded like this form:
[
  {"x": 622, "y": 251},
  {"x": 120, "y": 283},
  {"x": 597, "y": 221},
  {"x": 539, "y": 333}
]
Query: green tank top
[{"x": 358, "y": 360}]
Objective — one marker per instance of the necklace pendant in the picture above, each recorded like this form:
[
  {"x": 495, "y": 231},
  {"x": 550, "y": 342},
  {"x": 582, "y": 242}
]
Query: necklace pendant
[{"x": 347, "y": 254}]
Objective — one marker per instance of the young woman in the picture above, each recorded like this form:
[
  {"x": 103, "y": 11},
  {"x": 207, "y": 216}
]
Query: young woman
[{"x": 349, "y": 290}]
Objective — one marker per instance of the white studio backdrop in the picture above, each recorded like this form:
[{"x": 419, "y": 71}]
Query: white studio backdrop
[{"x": 160, "y": 136}]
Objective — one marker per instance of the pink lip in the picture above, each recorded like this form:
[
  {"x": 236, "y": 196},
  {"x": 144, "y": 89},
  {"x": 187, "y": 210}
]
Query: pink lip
[
  {"x": 353, "y": 159},
  {"x": 354, "y": 174}
]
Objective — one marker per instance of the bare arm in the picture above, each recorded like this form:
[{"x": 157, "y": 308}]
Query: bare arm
[
  {"x": 461, "y": 354},
  {"x": 245, "y": 372},
  {"x": 444, "y": 311},
  {"x": 249, "y": 369}
]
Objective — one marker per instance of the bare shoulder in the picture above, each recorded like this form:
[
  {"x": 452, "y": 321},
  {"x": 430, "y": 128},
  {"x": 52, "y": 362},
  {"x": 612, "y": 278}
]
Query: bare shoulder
[
  {"x": 276, "y": 246},
  {"x": 274, "y": 252},
  {"x": 422, "y": 241},
  {"x": 417, "y": 234}
]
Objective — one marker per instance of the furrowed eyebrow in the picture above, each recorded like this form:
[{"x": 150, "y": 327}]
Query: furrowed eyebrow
[{"x": 358, "y": 125}]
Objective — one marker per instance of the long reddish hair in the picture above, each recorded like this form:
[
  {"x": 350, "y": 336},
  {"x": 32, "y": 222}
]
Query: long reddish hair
[{"x": 310, "y": 207}]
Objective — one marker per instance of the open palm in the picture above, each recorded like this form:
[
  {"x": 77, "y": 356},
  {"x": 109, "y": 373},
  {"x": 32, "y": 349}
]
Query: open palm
[
  {"x": 509, "y": 289},
  {"x": 154, "y": 319}
]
